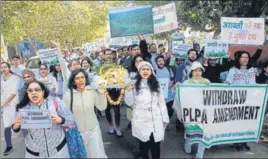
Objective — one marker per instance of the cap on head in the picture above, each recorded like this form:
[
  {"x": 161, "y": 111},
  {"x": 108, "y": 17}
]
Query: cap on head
[
  {"x": 145, "y": 63},
  {"x": 196, "y": 65}
]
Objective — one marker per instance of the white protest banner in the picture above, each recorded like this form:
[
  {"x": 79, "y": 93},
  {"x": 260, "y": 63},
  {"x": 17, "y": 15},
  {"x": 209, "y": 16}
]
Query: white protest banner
[
  {"x": 181, "y": 49},
  {"x": 216, "y": 49},
  {"x": 35, "y": 119},
  {"x": 164, "y": 84},
  {"x": 222, "y": 114},
  {"x": 242, "y": 30},
  {"x": 165, "y": 18},
  {"x": 49, "y": 56}
]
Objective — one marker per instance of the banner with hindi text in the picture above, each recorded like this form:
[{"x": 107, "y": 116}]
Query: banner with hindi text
[
  {"x": 216, "y": 49},
  {"x": 165, "y": 18},
  {"x": 242, "y": 30}
]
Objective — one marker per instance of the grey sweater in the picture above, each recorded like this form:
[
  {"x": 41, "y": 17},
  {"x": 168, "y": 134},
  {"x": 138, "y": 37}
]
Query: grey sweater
[{"x": 46, "y": 141}]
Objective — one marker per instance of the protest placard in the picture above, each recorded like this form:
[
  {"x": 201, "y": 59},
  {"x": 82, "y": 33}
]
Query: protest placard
[
  {"x": 49, "y": 56},
  {"x": 216, "y": 49},
  {"x": 165, "y": 18},
  {"x": 35, "y": 119},
  {"x": 131, "y": 21},
  {"x": 173, "y": 58},
  {"x": 181, "y": 49},
  {"x": 164, "y": 84},
  {"x": 242, "y": 30},
  {"x": 222, "y": 114},
  {"x": 178, "y": 37}
]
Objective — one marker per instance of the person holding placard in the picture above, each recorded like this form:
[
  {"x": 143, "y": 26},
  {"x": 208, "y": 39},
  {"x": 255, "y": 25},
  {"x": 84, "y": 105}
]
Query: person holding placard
[
  {"x": 149, "y": 117},
  {"x": 44, "y": 142},
  {"x": 214, "y": 70},
  {"x": 66, "y": 68},
  {"x": 196, "y": 77},
  {"x": 183, "y": 71},
  {"x": 9, "y": 99},
  {"x": 163, "y": 72},
  {"x": 81, "y": 99},
  {"x": 242, "y": 73}
]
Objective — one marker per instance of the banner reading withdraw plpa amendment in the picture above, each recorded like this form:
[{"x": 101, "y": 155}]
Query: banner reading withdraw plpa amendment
[
  {"x": 222, "y": 114},
  {"x": 131, "y": 21}
]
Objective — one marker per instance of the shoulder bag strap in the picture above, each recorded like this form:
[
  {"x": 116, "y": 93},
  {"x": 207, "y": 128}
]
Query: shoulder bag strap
[
  {"x": 71, "y": 104},
  {"x": 56, "y": 105}
]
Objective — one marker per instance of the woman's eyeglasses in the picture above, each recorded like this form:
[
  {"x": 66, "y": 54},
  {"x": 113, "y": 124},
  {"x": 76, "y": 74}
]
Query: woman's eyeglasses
[{"x": 31, "y": 90}]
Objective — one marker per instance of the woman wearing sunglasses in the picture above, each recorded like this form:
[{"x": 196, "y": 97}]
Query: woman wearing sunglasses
[{"x": 44, "y": 142}]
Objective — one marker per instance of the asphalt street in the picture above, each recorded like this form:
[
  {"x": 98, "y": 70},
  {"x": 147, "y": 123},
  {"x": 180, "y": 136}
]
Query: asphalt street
[{"x": 127, "y": 146}]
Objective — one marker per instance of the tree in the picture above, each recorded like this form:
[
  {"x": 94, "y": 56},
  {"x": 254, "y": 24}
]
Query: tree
[
  {"x": 74, "y": 21},
  {"x": 205, "y": 15}
]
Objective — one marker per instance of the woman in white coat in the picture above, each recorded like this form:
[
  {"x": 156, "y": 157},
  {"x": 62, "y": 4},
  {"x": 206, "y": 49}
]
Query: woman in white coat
[
  {"x": 9, "y": 99},
  {"x": 149, "y": 117}
]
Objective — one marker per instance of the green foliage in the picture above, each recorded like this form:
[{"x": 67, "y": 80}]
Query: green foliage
[
  {"x": 75, "y": 21},
  {"x": 206, "y": 15}
]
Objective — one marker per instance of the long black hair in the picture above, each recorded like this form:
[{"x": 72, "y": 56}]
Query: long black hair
[
  {"x": 133, "y": 66},
  {"x": 238, "y": 55},
  {"x": 42, "y": 64},
  {"x": 26, "y": 99},
  {"x": 152, "y": 83},
  {"x": 55, "y": 72},
  {"x": 71, "y": 84}
]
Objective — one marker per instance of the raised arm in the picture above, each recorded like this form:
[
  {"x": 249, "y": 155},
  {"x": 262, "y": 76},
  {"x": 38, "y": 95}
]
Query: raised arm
[{"x": 144, "y": 47}]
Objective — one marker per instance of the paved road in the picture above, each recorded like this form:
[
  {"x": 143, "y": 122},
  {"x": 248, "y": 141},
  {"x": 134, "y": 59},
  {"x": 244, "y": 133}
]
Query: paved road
[{"x": 172, "y": 147}]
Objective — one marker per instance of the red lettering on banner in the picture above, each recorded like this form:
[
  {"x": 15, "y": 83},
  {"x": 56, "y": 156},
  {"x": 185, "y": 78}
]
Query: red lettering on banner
[
  {"x": 238, "y": 77},
  {"x": 252, "y": 36},
  {"x": 164, "y": 27}
]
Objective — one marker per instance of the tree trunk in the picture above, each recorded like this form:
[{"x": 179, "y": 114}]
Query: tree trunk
[{"x": 216, "y": 33}]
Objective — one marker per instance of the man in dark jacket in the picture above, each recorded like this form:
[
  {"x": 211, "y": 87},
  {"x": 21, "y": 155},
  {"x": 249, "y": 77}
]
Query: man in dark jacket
[
  {"x": 134, "y": 50},
  {"x": 213, "y": 70},
  {"x": 263, "y": 77}
]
